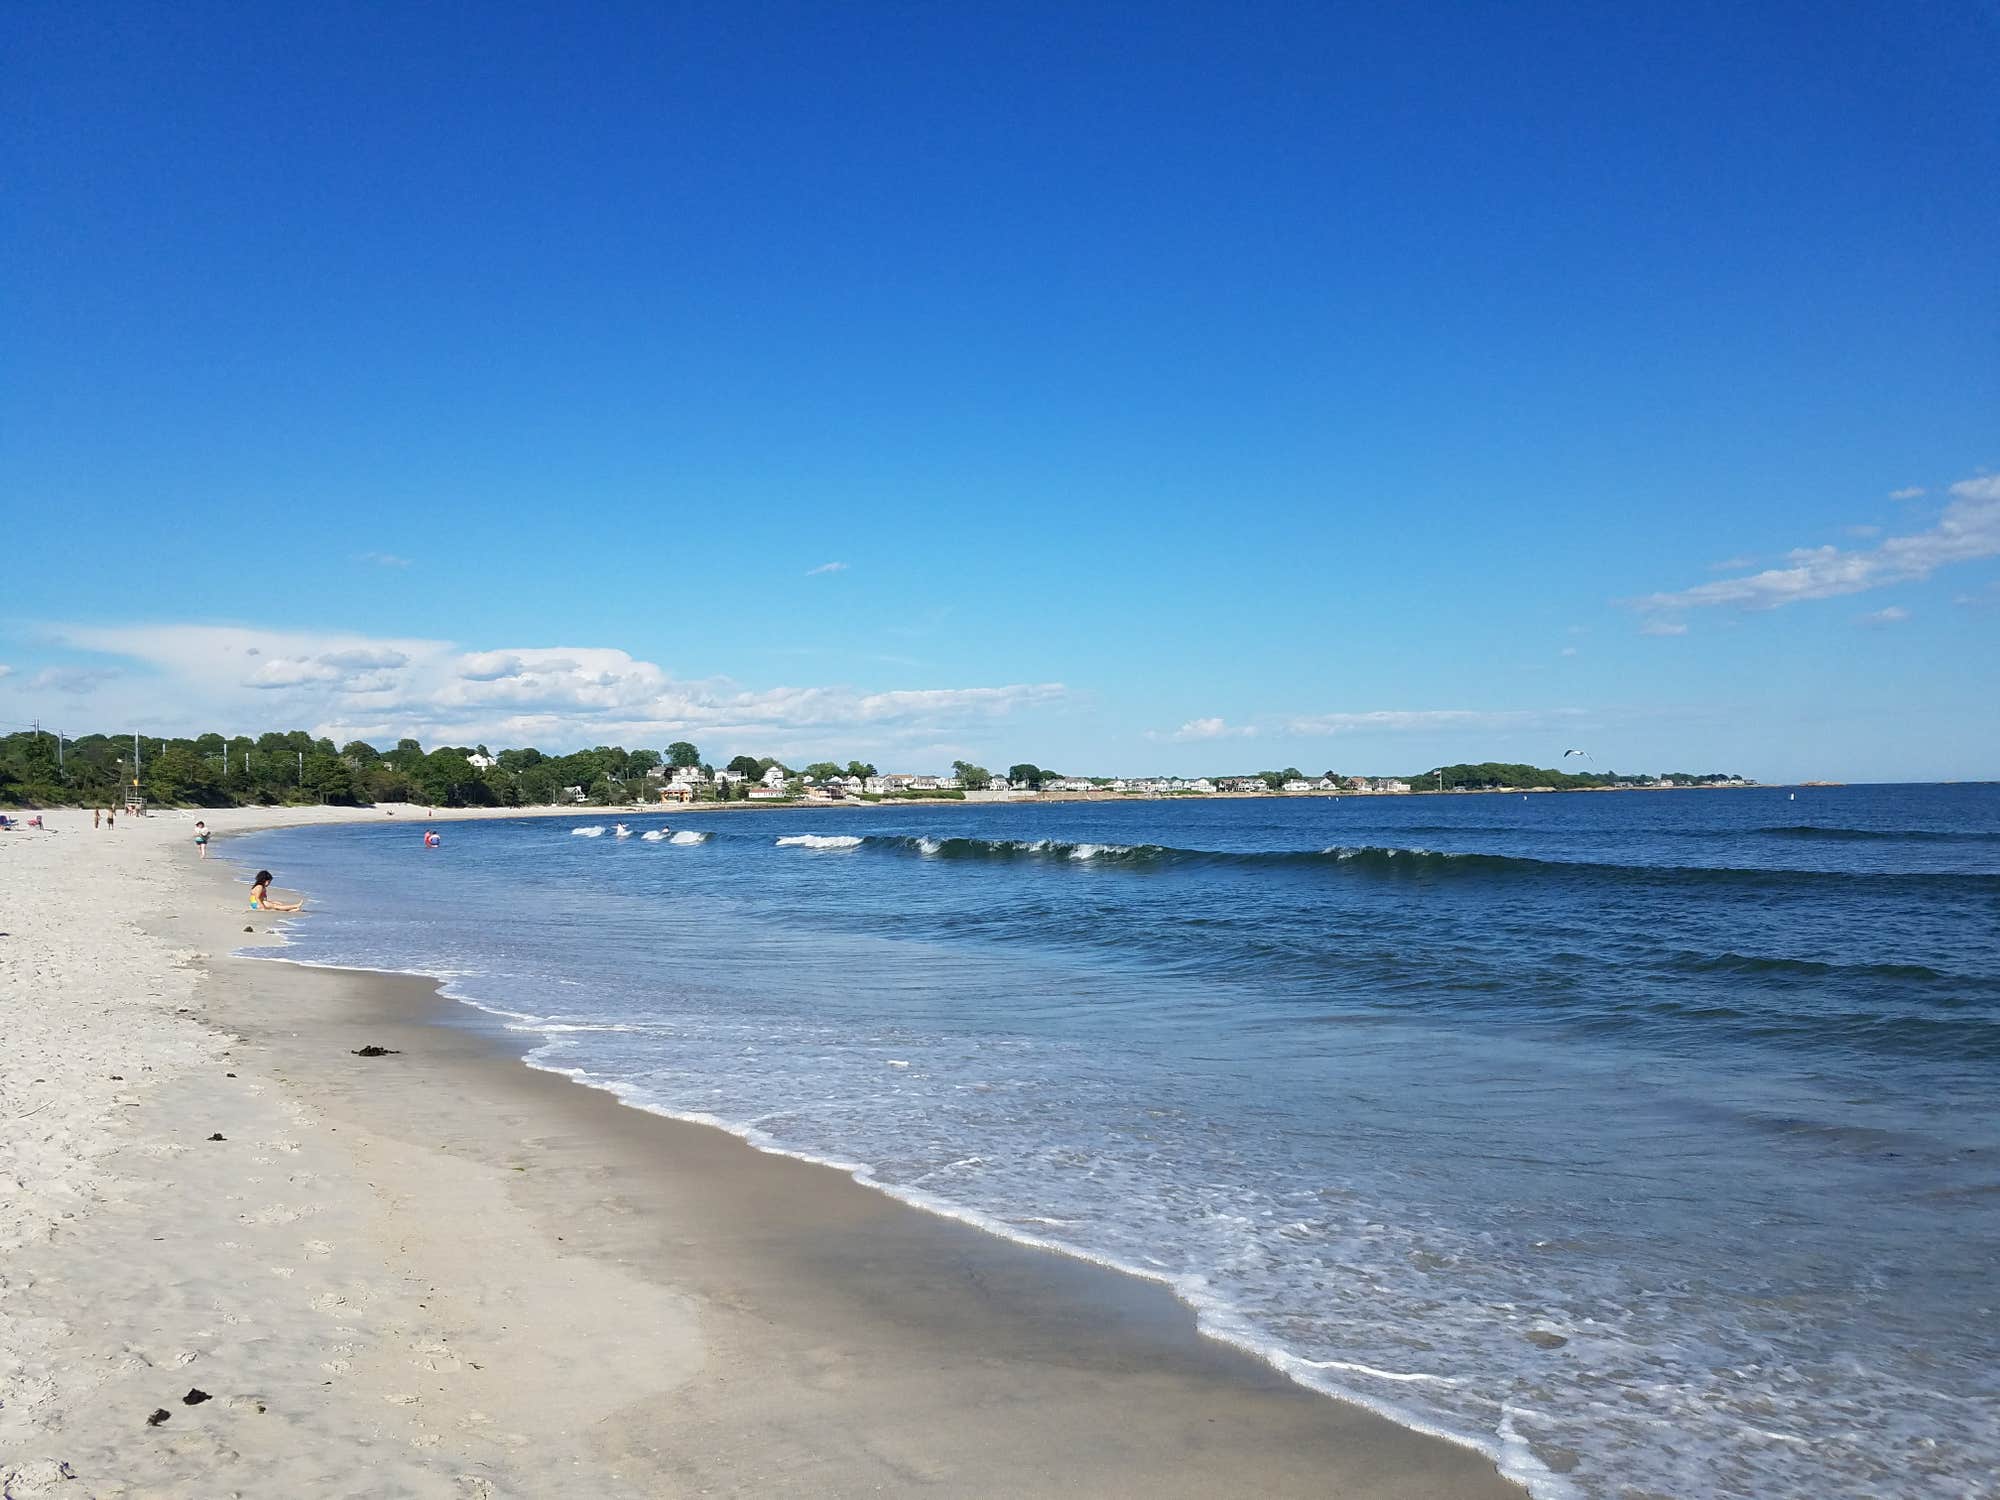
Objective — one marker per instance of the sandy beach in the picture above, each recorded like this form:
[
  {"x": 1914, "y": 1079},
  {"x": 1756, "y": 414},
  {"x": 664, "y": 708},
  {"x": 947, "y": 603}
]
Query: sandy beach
[{"x": 437, "y": 1272}]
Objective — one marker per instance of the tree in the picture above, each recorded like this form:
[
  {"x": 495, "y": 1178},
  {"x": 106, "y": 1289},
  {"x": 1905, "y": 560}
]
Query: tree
[
  {"x": 969, "y": 774},
  {"x": 860, "y": 768},
  {"x": 329, "y": 778},
  {"x": 681, "y": 754},
  {"x": 822, "y": 770},
  {"x": 643, "y": 761},
  {"x": 1027, "y": 774},
  {"x": 746, "y": 765}
]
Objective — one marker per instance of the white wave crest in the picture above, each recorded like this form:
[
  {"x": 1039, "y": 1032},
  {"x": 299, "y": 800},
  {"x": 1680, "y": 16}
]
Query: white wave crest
[
  {"x": 653, "y": 835},
  {"x": 1091, "y": 851},
  {"x": 594, "y": 831},
  {"x": 690, "y": 836},
  {"x": 819, "y": 841}
]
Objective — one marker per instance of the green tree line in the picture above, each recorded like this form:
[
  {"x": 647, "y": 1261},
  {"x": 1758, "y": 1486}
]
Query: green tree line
[
  {"x": 1486, "y": 775},
  {"x": 210, "y": 770}
]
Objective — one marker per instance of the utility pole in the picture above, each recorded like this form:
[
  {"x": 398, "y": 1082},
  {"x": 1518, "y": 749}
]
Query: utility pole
[{"x": 302, "y": 770}]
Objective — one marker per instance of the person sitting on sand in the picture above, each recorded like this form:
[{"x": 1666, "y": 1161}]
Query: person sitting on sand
[{"x": 260, "y": 895}]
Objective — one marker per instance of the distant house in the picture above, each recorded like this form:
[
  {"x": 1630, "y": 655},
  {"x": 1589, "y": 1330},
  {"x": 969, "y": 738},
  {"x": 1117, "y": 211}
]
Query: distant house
[
  {"x": 775, "y": 777},
  {"x": 1389, "y": 784},
  {"x": 480, "y": 762},
  {"x": 1326, "y": 784},
  {"x": 855, "y": 785},
  {"x": 1070, "y": 784},
  {"x": 1296, "y": 785},
  {"x": 926, "y": 783},
  {"x": 1201, "y": 784},
  {"x": 950, "y": 784},
  {"x": 762, "y": 793},
  {"x": 687, "y": 776},
  {"x": 999, "y": 784},
  {"x": 729, "y": 778},
  {"x": 574, "y": 794}
]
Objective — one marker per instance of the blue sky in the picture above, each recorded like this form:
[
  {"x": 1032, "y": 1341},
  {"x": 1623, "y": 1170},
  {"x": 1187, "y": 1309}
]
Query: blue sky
[{"x": 1176, "y": 387}]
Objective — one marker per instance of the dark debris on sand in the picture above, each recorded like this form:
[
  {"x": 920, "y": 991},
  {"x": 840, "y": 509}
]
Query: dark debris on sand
[
  {"x": 195, "y": 1397},
  {"x": 160, "y": 1414},
  {"x": 371, "y": 1050}
]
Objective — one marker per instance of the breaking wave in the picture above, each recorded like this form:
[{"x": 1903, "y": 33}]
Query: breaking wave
[
  {"x": 819, "y": 841},
  {"x": 594, "y": 831},
  {"x": 1385, "y": 862}
]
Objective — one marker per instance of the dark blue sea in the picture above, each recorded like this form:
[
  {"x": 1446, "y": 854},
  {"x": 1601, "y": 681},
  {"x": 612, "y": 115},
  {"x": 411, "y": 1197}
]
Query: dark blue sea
[{"x": 1646, "y": 1140}]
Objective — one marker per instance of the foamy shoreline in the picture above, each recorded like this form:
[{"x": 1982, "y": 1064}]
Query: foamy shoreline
[{"x": 331, "y": 1271}]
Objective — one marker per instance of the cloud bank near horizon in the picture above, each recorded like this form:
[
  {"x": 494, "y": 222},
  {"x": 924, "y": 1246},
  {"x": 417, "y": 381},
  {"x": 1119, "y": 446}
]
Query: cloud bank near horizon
[{"x": 190, "y": 678}]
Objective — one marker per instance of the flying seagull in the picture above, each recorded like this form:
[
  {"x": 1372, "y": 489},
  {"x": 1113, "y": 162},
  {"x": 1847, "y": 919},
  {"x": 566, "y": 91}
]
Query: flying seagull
[{"x": 1568, "y": 753}]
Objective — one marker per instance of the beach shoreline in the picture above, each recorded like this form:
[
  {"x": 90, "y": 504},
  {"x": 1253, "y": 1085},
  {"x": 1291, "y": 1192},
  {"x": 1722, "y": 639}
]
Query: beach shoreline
[{"x": 439, "y": 1271}]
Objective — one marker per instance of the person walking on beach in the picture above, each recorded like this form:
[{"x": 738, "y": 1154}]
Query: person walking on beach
[
  {"x": 201, "y": 837},
  {"x": 109, "y": 819},
  {"x": 97, "y": 817},
  {"x": 260, "y": 895}
]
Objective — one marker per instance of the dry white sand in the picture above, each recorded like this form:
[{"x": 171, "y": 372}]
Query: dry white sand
[
  {"x": 293, "y": 1276},
  {"x": 442, "y": 1274}
]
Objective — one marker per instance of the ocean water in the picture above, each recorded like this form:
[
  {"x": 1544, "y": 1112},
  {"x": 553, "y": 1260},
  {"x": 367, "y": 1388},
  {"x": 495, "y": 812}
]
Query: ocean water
[{"x": 1647, "y": 1141}]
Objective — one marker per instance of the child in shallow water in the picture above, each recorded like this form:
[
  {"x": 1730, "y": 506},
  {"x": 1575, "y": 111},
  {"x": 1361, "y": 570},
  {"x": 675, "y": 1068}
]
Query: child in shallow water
[{"x": 260, "y": 895}]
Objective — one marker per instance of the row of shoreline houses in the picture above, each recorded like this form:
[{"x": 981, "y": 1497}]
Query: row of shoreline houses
[{"x": 683, "y": 783}]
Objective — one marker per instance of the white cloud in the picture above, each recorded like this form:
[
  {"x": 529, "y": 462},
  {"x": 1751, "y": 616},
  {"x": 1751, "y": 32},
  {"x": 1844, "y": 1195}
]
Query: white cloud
[
  {"x": 1968, "y": 529},
  {"x": 382, "y": 559},
  {"x": 351, "y": 686},
  {"x": 1864, "y": 532},
  {"x": 1663, "y": 627},
  {"x": 71, "y": 679},
  {"x": 827, "y": 567},
  {"x": 1206, "y": 729},
  {"x": 1408, "y": 721},
  {"x": 1913, "y": 492},
  {"x": 1895, "y": 614},
  {"x": 1569, "y": 651},
  {"x": 5, "y": 670}
]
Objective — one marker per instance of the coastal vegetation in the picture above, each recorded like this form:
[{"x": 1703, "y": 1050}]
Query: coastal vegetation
[{"x": 41, "y": 768}]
